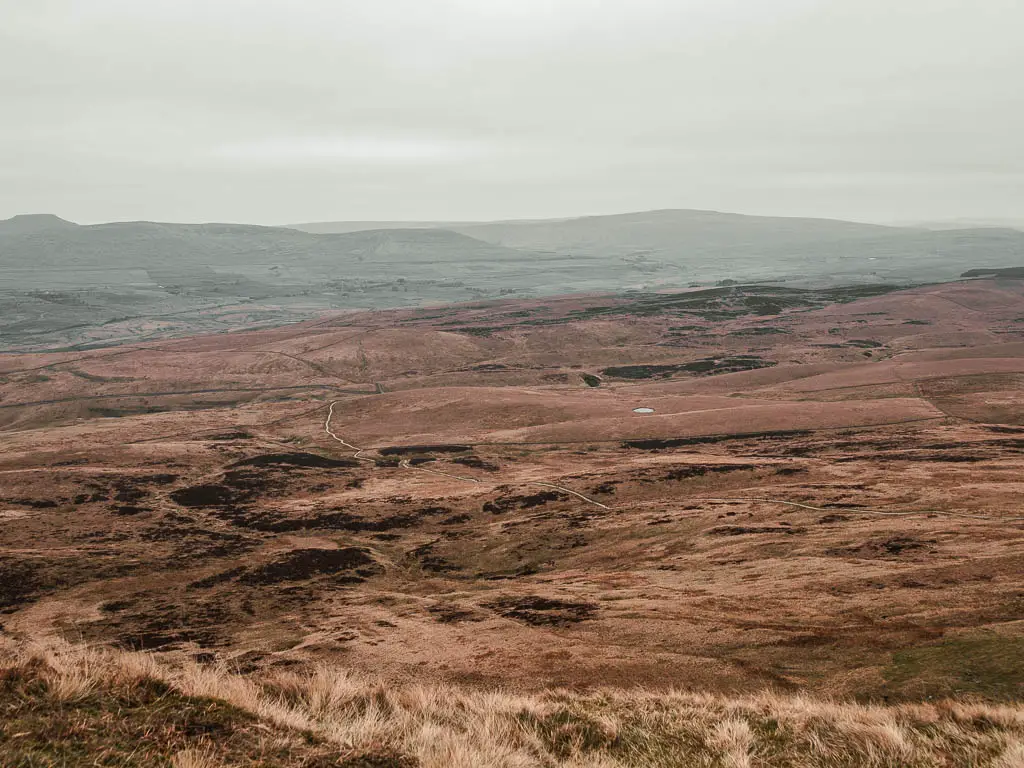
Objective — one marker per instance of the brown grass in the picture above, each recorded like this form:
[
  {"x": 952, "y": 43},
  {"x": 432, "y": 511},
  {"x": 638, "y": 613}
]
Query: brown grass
[
  {"x": 194, "y": 758},
  {"x": 447, "y": 727}
]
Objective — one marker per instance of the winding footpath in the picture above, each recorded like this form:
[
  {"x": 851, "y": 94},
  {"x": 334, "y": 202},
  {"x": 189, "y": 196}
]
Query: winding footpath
[
  {"x": 404, "y": 464},
  {"x": 329, "y": 431}
]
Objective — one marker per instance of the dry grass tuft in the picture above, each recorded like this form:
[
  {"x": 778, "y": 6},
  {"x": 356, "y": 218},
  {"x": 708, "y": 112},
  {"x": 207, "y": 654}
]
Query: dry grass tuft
[
  {"x": 448, "y": 727},
  {"x": 735, "y": 740},
  {"x": 1011, "y": 757},
  {"x": 72, "y": 673},
  {"x": 194, "y": 758}
]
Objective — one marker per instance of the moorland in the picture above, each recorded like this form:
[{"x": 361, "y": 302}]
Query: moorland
[{"x": 597, "y": 529}]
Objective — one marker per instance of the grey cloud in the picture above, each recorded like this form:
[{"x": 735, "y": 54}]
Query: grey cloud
[{"x": 272, "y": 111}]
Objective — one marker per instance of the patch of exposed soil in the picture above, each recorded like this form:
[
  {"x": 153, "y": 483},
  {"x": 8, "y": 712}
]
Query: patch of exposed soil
[
  {"x": 828, "y": 519},
  {"x": 452, "y": 613},
  {"x": 129, "y": 510},
  {"x": 456, "y": 519},
  {"x": 164, "y": 624},
  {"x": 208, "y": 495},
  {"x": 921, "y": 456},
  {"x": 543, "y": 611},
  {"x": 741, "y": 530},
  {"x": 222, "y": 577},
  {"x": 505, "y": 504},
  {"x": 348, "y": 565},
  {"x": 686, "y": 471},
  {"x": 430, "y": 561},
  {"x": 678, "y": 442},
  {"x": 294, "y": 460},
  {"x": 192, "y": 542},
  {"x": 20, "y": 582},
  {"x": 705, "y": 367},
  {"x": 891, "y": 547},
  {"x": 475, "y": 462},
  {"x": 272, "y": 522},
  {"x": 226, "y": 436},
  {"x": 31, "y": 503},
  {"x": 1006, "y": 430},
  {"x": 405, "y": 450}
]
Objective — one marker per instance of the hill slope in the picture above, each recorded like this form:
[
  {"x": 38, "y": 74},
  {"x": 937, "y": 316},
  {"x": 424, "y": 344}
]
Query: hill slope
[
  {"x": 62, "y": 284},
  {"x": 820, "y": 493},
  {"x": 65, "y": 705},
  {"x": 647, "y": 230},
  {"x": 147, "y": 244},
  {"x": 672, "y": 230},
  {"x": 27, "y": 224},
  {"x": 111, "y": 282},
  {"x": 675, "y": 245}
]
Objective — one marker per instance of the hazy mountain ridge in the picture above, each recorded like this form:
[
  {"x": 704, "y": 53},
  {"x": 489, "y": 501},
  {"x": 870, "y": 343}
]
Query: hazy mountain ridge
[
  {"x": 670, "y": 231},
  {"x": 140, "y": 244},
  {"x": 747, "y": 246},
  {"x": 31, "y": 223},
  {"x": 1017, "y": 224},
  {"x": 628, "y": 230},
  {"x": 66, "y": 284},
  {"x": 107, "y": 283}
]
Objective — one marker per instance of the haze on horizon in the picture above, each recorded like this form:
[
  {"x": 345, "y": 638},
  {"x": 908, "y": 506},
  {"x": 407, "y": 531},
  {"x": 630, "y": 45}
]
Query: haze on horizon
[{"x": 265, "y": 112}]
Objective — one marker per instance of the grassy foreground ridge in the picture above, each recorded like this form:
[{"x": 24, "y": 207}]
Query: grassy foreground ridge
[{"x": 65, "y": 705}]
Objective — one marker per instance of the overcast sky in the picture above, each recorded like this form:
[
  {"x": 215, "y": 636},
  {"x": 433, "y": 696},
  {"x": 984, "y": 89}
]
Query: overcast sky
[{"x": 275, "y": 111}]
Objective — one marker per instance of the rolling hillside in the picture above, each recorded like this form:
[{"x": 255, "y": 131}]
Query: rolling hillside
[
  {"x": 709, "y": 245},
  {"x": 66, "y": 285}
]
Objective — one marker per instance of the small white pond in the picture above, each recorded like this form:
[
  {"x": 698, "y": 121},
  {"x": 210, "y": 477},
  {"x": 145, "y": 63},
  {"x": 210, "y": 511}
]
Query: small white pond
[{"x": 643, "y": 410}]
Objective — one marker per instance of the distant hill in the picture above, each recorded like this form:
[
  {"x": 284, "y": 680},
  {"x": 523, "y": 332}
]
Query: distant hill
[
  {"x": 68, "y": 284},
  {"x": 669, "y": 247},
  {"x": 666, "y": 230},
  {"x": 149, "y": 244},
  {"x": 1011, "y": 272},
  {"x": 31, "y": 223},
  {"x": 969, "y": 224},
  {"x": 709, "y": 245},
  {"x": 341, "y": 227},
  {"x": 344, "y": 227},
  {"x": 670, "y": 232}
]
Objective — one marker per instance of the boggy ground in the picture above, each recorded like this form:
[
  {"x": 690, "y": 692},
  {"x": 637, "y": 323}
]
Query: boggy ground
[{"x": 841, "y": 515}]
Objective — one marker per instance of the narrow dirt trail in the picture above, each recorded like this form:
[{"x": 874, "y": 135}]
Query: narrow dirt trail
[
  {"x": 404, "y": 464},
  {"x": 329, "y": 431},
  {"x": 574, "y": 493}
]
